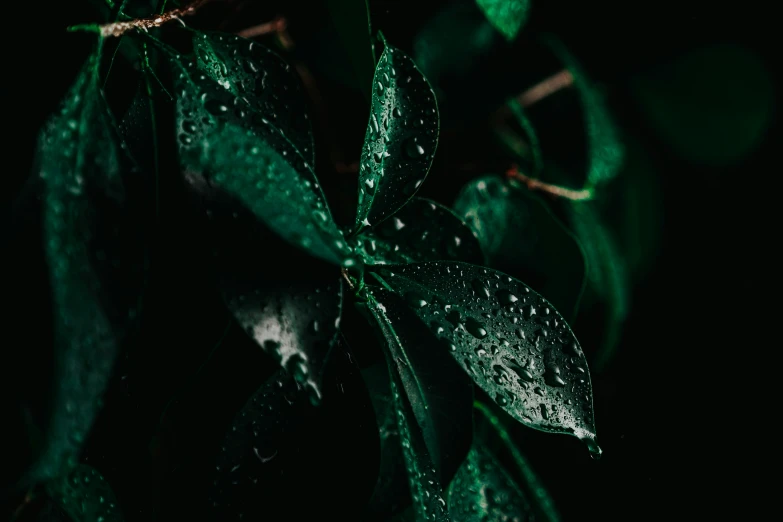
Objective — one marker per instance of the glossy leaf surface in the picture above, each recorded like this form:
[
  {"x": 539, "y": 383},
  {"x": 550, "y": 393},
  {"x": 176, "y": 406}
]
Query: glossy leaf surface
[
  {"x": 225, "y": 147},
  {"x": 261, "y": 80},
  {"x": 522, "y": 236},
  {"x": 422, "y": 230},
  {"x": 605, "y": 150},
  {"x": 507, "y": 16},
  {"x": 79, "y": 161},
  {"x": 712, "y": 105},
  {"x": 85, "y": 496},
  {"x": 509, "y": 339},
  {"x": 400, "y": 141},
  {"x": 421, "y": 409}
]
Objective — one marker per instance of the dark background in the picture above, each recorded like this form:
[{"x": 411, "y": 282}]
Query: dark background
[{"x": 676, "y": 409}]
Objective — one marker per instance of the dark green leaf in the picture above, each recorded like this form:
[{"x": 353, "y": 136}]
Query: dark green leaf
[
  {"x": 605, "y": 151},
  {"x": 439, "y": 392},
  {"x": 430, "y": 402},
  {"x": 422, "y": 230},
  {"x": 507, "y": 16},
  {"x": 712, "y": 105},
  {"x": 136, "y": 129},
  {"x": 606, "y": 273},
  {"x": 224, "y": 146},
  {"x": 534, "y": 153},
  {"x": 400, "y": 141},
  {"x": 80, "y": 162},
  {"x": 85, "y": 496},
  {"x": 482, "y": 491},
  {"x": 529, "y": 484},
  {"x": 509, "y": 339},
  {"x": 351, "y": 18},
  {"x": 261, "y": 81},
  {"x": 520, "y": 235}
]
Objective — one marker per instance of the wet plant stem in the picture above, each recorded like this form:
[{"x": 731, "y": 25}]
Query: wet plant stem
[
  {"x": 553, "y": 190},
  {"x": 116, "y": 29}
]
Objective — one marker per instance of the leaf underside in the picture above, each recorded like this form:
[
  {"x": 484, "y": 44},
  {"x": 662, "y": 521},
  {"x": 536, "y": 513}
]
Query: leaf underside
[
  {"x": 507, "y": 16},
  {"x": 400, "y": 141},
  {"x": 422, "y": 230},
  {"x": 509, "y": 339}
]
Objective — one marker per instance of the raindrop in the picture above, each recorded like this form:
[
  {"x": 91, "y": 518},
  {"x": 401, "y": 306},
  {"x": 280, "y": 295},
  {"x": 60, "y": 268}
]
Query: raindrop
[
  {"x": 413, "y": 149},
  {"x": 475, "y": 328},
  {"x": 480, "y": 289},
  {"x": 506, "y": 297}
]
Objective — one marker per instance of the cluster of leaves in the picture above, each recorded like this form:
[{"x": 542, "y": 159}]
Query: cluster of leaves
[{"x": 450, "y": 327}]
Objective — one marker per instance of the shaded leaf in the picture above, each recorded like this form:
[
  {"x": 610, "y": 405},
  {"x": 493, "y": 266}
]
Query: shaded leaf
[
  {"x": 507, "y": 16},
  {"x": 261, "y": 81},
  {"x": 136, "y": 129},
  {"x": 281, "y": 453},
  {"x": 80, "y": 162},
  {"x": 440, "y": 394},
  {"x": 605, "y": 150},
  {"x": 509, "y": 339},
  {"x": 529, "y": 483},
  {"x": 712, "y": 104},
  {"x": 530, "y": 134},
  {"x": 422, "y": 230},
  {"x": 400, "y": 141},
  {"x": 411, "y": 399},
  {"x": 85, "y": 496},
  {"x": 606, "y": 273},
  {"x": 222, "y": 146},
  {"x": 483, "y": 491},
  {"x": 351, "y": 18},
  {"x": 521, "y": 235}
]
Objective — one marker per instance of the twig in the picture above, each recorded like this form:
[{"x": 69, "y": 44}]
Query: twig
[
  {"x": 119, "y": 28},
  {"x": 274, "y": 26},
  {"x": 546, "y": 87},
  {"x": 554, "y": 190}
]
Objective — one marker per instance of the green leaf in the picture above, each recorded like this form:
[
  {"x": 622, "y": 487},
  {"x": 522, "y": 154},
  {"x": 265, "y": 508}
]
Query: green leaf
[
  {"x": 509, "y": 339},
  {"x": 605, "y": 150},
  {"x": 351, "y": 18},
  {"x": 422, "y": 230},
  {"x": 420, "y": 406},
  {"x": 529, "y": 483},
  {"x": 534, "y": 154},
  {"x": 223, "y": 146},
  {"x": 261, "y": 81},
  {"x": 80, "y": 163},
  {"x": 85, "y": 496},
  {"x": 521, "y": 235},
  {"x": 483, "y": 491},
  {"x": 606, "y": 273},
  {"x": 712, "y": 105},
  {"x": 400, "y": 141},
  {"x": 507, "y": 16}
]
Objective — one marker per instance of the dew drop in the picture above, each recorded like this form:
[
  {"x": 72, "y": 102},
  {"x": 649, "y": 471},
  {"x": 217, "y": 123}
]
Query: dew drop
[
  {"x": 475, "y": 328},
  {"x": 413, "y": 149},
  {"x": 506, "y": 297}
]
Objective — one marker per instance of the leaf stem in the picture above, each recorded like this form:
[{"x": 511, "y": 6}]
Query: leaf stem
[
  {"x": 547, "y": 87},
  {"x": 119, "y": 28},
  {"x": 554, "y": 190}
]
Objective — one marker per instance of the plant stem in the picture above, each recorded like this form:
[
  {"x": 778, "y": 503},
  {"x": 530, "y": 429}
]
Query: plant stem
[
  {"x": 120, "y": 28},
  {"x": 274, "y": 26},
  {"x": 554, "y": 190},
  {"x": 544, "y": 88}
]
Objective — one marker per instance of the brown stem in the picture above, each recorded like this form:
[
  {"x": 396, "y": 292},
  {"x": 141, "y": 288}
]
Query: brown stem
[
  {"x": 120, "y": 28},
  {"x": 275, "y": 26},
  {"x": 554, "y": 190},
  {"x": 546, "y": 87}
]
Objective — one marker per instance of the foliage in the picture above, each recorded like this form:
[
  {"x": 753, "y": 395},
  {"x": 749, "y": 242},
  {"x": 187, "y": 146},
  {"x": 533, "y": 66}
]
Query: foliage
[{"x": 462, "y": 347}]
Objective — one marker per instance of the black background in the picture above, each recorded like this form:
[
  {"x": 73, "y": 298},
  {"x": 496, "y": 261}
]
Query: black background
[{"x": 672, "y": 407}]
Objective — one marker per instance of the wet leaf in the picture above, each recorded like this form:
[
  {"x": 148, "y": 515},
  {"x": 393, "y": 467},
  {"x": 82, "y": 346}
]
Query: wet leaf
[
  {"x": 422, "y": 230},
  {"x": 483, "y": 491},
  {"x": 490, "y": 428},
  {"x": 605, "y": 150},
  {"x": 400, "y": 141},
  {"x": 224, "y": 147},
  {"x": 281, "y": 453},
  {"x": 429, "y": 399},
  {"x": 509, "y": 339},
  {"x": 261, "y": 81},
  {"x": 440, "y": 395},
  {"x": 507, "y": 16},
  {"x": 521, "y": 235},
  {"x": 607, "y": 274},
  {"x": 351, "y": 18},
  {"x": 712, "y": 105},
  {"x": 94, "y": 284},
  {"x": 85, "y": 496}
]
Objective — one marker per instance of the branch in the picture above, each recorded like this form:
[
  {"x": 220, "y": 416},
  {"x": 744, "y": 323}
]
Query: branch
[
  {"x": 546, "y": 87},
  {"x": 553, "y": 190},
  {"x": 119, "y": 28}
]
